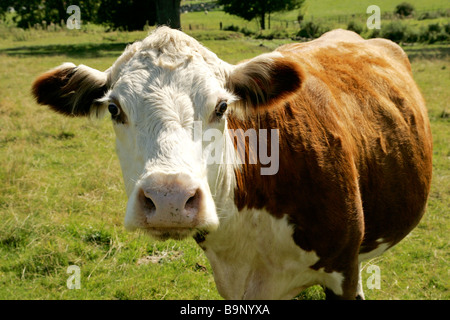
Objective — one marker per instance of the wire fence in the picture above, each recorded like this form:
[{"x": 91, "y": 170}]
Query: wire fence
[{"x": 422, "y": 14}]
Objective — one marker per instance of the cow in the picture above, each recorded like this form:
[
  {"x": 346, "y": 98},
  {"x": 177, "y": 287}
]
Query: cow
[{"x": 349, "y": 140}]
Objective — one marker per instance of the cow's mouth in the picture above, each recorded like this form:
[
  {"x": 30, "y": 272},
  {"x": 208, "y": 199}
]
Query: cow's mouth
[{"x": 170, "y": 233}]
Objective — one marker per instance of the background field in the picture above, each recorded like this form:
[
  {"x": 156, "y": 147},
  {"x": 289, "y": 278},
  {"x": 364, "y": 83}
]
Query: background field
[{"x": 62, "y": 199}]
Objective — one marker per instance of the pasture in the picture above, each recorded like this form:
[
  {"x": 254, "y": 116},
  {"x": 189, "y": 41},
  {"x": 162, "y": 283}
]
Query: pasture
[{"x": 62, "y": 199}]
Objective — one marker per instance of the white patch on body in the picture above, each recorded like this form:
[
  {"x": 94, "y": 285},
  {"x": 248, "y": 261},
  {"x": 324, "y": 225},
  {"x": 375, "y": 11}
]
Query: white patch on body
[
  {"x": 254, "y": 256},
  {"x": 382, "y": 247}
]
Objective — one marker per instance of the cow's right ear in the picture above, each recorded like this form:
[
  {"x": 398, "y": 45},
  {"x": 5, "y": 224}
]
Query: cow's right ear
[
  {"x": 262, "y": 81},
  {"x": 71, "y": 90}
]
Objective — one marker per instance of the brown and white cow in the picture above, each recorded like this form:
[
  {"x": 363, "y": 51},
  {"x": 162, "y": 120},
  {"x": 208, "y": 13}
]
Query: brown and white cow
[{"x": 351, "y": 168}]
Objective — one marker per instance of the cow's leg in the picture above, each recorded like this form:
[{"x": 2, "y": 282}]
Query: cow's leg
[
  {"x": 349, "y": 287},
  {"x": 359, "y": 289}
]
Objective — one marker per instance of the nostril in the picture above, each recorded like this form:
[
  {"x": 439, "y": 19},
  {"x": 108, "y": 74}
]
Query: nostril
[
  {"x": 193, "y": 202},
  {"x": 148, "y": 203}
]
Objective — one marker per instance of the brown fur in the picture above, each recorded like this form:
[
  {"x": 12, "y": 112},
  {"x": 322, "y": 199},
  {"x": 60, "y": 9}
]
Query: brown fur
[
  {"x": 69, "y": 89},
  {"x": 355, "y": 152},
  {"x": 265, "y": 81}
]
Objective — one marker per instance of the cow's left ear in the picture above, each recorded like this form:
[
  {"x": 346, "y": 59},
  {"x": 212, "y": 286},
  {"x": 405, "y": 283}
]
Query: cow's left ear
[
  {"x": 71, "y": 90},
  {"x": 264, "y": 80}
]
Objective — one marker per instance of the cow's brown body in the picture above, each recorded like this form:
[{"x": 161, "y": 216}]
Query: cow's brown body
[{"x": 355, "y": 151}]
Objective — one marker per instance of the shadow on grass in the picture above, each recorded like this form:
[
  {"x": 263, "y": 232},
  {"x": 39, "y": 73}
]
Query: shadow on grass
[
  {"x": 95, "y": 50},
  {"x": 82, "y": 50},
  {"x": 428, "y": 52}
]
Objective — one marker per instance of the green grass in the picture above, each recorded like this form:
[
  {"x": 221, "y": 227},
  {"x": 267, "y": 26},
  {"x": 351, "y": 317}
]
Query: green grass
[
  {"x": 324, "y": 12},
  {"x": 62, "y": 199},
  {"x": 347, "y": 7}
]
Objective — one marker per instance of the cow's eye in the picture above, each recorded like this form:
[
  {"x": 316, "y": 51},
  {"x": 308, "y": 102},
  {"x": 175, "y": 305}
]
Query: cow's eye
[
  {"x": 113, "y": 109},
  {"x": 221, "y": 108}
]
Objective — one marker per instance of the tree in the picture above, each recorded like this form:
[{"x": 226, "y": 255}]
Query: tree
[
  {"x": 134, "y": 14},
  {"x": 124, "y": 14},
  {"x": 251, "y": 9},
  {"x": 404, "y": 9},
  {"x": 32, "y": 12},
  {"x": 168, "y": 13},
  {"x": 127, "y": 14}
]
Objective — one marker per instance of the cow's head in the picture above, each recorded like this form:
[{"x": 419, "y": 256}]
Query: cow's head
[{"x": 160, "y": 92}]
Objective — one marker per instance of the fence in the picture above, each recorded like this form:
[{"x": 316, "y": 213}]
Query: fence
[{"x": 362, "y": 17}]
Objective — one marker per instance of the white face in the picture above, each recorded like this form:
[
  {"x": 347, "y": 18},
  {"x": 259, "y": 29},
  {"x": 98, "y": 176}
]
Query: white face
[
  {"x": 169, "y": 98},
  {"x": 154, "y": 108}
]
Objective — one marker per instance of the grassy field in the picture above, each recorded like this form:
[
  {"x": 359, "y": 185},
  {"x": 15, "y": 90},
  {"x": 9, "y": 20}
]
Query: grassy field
[
  {"x": 62, "y": 199},
  {"x": 325, "y": 12}
]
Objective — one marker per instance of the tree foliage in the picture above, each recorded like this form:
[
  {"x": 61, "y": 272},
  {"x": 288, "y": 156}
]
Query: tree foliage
[
  {"x": 135, "y": 14},
  {"x": 126, "y": 14},
  {"x": 123, "y": 14},
  {"x": 404, "y": 9},
  {"x": 168, "y": 13},
  {"x": 251, "y": 9},
  {"x": 32, "y": 12}
]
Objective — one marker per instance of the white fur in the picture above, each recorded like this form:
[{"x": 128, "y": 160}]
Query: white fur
[
  {"x": 382, "y": 247},
  {"x": 359, "y": 288},
  {"x": 163, "y": 84},
  {"x": 253, "y": 256}
]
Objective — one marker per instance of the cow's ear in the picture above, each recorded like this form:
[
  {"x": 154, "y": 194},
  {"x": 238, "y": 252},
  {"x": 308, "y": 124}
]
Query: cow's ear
[
  {"x": 71, "y": 90},
  {"x": 264, "y": 80}
]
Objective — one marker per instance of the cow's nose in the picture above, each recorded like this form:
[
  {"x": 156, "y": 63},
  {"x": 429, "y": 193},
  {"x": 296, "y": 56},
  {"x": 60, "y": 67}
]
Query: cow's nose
[{"x": 170, "y": 200}]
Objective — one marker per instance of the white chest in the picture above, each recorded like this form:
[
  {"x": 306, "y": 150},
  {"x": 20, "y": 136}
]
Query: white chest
[{"x": 254, "y": 256}]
